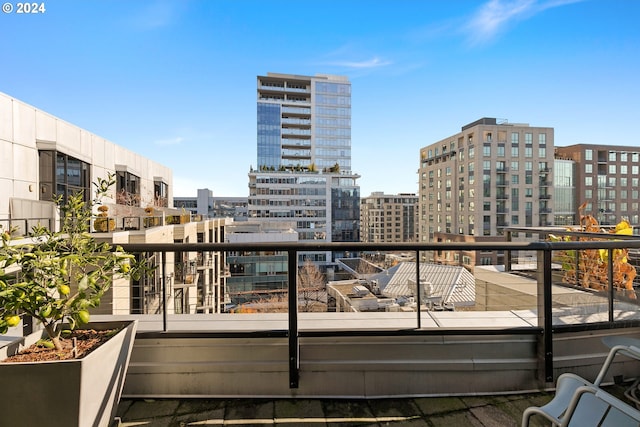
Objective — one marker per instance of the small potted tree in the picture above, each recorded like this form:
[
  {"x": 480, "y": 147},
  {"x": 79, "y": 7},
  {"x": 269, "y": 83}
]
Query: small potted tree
[{"x": 55, "y": 278}]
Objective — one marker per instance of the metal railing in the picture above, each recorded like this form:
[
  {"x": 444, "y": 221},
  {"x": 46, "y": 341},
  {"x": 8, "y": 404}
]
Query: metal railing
[{"x": 542, "y": 274}]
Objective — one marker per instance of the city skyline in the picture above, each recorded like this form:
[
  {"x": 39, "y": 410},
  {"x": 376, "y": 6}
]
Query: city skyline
[{"x": 175, "y": 81}]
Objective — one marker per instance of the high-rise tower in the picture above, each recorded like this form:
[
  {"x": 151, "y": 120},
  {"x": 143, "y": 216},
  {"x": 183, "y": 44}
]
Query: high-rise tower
[
  {"x": 304, "y": 122},
  {"x": 304, "y": 172}
]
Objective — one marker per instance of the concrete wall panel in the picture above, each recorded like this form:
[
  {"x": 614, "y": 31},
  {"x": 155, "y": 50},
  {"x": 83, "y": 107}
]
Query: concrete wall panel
[
  {"x": 6, "y": 187},
  {"x": 6, "y": 160},
  {"x": 69, "y": 140},
  {"x": 86, "y": 146},
  {"x": 24, "y": 125},
  {"x": 45, "y": 127},
  {"x": 25, "y": 161},
  {"x": 6, "y": 112}
]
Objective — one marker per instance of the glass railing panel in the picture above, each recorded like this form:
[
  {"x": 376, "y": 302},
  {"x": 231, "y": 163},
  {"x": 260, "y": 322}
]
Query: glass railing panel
[
  {"x": 594, "y": 284},
  {"x": 365, "y": 289}
]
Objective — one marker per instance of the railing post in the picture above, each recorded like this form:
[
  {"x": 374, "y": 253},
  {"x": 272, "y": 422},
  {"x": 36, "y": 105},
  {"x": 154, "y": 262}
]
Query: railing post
[
  {"x": 545, "y": 316},
  {"x": 418, "y": 289},
  {"x": 507, "y": 254},
  {"x": 610, "y": 280},
  {"x": 294, "y": 350},
  {"x": 164, "y": 291}
]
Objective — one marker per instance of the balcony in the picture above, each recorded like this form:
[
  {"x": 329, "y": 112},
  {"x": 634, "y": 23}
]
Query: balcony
[
  {"x": 522, "y": 332},
  {"x": 322, "y": 354}
]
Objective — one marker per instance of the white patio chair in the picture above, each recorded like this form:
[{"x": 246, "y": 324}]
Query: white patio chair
[
  {"x": 569, "y": 383},
  {"x": 590, "y": 407}
]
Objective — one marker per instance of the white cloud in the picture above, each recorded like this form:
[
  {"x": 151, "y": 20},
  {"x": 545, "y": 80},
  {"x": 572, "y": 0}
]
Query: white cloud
[
  {"x": 374, "y": 62},
  {"x": 495, "y": 16},
  {"x": 171, "y": 141}
]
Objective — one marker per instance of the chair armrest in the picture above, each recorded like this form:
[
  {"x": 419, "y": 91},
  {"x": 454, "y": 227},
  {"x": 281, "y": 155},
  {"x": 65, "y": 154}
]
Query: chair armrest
[
  {"x": 534, "y": 410},
  {"x": 566, "y": 388}
]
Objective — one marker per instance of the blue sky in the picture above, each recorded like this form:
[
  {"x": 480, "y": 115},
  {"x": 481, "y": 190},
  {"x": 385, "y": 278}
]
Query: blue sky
[{"x": 176, "y": 80}]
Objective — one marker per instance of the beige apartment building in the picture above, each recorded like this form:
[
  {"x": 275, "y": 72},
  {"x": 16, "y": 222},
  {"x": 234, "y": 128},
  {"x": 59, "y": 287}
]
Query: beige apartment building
[
  {"x": 490, "y": 175},
  {"x": 606, "y": 179},
  {"x": 388, "y": 218}
]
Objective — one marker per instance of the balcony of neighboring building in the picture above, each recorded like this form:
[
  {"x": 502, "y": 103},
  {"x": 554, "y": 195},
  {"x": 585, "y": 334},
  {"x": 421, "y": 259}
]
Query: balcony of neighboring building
[{"x": 296, "y": 111}]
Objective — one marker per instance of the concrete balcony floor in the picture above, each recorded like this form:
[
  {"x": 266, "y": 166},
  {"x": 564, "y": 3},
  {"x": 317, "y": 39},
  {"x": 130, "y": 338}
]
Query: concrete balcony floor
[{"x": 463, "y": 411}]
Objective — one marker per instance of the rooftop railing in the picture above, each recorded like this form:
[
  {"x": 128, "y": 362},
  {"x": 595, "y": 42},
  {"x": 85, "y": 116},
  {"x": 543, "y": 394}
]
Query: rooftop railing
[{"x": 532, "y": 272}]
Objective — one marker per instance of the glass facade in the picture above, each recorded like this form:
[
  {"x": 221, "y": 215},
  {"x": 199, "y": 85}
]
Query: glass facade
[
  {"x": 269, "y": 128},
  {"x": 345, "y": 213},
  {"x": 564, "y": 192},
  {"x": 332, "y": 125}
]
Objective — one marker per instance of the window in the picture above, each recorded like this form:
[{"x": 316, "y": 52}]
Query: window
[
  {"x": 542, "y": 152},
  {"x": 528, "y": 152},
  {"x": 514, "y": 138},
  {"x": 634, "y": 170},
  {"x": 500, "y": 150},
  {"x": 588, "y": 154},
  {"x": 588, "y": 194},
  {"x": 623, "y": 169},
  {"x": 634, "y": 157},
  {"x": 624, "y": 157},
  {"x": 612, "y": 169},
  {"x": 486, "y": 150},
  {"x": 486, "y": 206},
  {"x": 160, "y": 194},
  {"x": 612, "y": 156},
  {"x": 515, "y": 179},
  {"x": 62, "y": 175},
  {"x": 128, "y": 189},
  {"x": 486, "y": 165},
  {"x": 588, "y": 168},
  {"x": 515, "y": 166},
  {"x": 528, "y": 138},
  {"x": 542, "y": 138},
  {"x": 528, "y": 166},
  {"x": 515, "y": 219},
  {"x": 528, "y": 192},
  {"x": 515, "y": 151},
  {"x": 588, "y": 180}
]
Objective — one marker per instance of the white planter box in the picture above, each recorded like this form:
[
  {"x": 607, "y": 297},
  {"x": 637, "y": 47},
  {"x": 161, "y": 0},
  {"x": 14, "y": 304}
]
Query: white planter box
[{"x": 67, "y": 393}]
